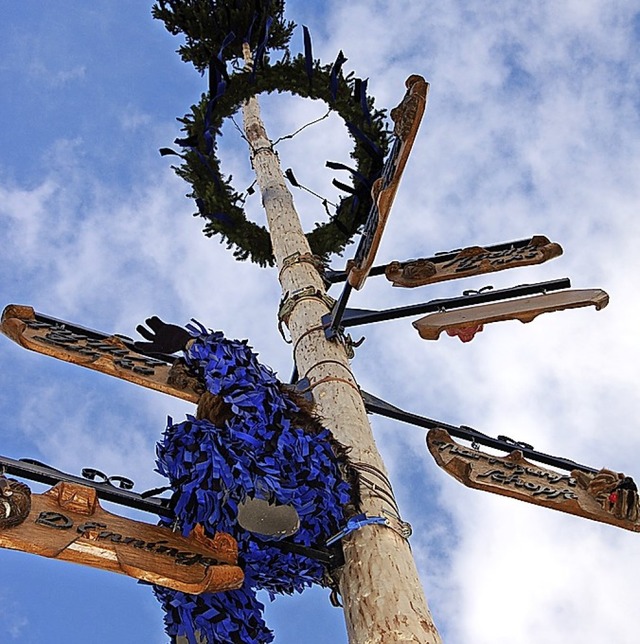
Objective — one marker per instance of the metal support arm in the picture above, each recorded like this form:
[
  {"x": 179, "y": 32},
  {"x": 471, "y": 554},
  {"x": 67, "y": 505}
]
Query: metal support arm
[
  {"x": 343, "y": 317},
  {"x": 377, "y": 406}
]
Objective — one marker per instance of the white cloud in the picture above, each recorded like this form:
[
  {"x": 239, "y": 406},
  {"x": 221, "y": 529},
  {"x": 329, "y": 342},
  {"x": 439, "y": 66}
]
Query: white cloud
[{"x": 54, "y": 78}]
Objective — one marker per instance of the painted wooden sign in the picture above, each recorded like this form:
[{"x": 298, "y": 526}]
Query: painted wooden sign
[
  {"x": 67, "y": 523},
  {"x": 607, "y": 496},
  {"x": 112, "y": 355},
  {"x": 471, "y": 261},
  {"x": 466, "y": 322},
  {"x": 406, "y": 117}
]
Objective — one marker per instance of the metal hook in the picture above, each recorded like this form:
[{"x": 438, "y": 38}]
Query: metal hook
[
  {"x": 121, "y": 482},
  {"x": 520, "y": 444},
  {"x": 472, "y": 291}
]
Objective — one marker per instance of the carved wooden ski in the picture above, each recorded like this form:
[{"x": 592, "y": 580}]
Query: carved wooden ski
[
  {"x": 114, "y": 355},
  {"x": 466, "y": 322},
  {"x": 606, "y": 496},
  {"x": 407, "y": 117},
  {"x": 474, "y": 260},
  {"x": 67, "y": 523}
]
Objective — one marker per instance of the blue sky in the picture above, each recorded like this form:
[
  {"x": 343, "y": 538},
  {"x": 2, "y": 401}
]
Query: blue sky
[{"x": 532, "y": 127}]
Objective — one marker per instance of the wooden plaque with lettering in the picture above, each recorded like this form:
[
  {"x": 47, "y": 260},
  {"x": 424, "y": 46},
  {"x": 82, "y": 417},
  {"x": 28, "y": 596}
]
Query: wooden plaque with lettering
[
  {"x": 407, "y": 117},
  {"x": 471, "y": 261},
  {"x": 98, "y": 351},
  {"x": 466, "y": 322},
  {"x": 67, "y": 523},
  {"x": 607, "y": 497}
]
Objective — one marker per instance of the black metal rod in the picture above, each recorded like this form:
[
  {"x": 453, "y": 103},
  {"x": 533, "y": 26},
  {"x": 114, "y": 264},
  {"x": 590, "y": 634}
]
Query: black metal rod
[
  {"x": 357, "y": 317},
  {"x": 378, "y": 406},
  {"x": 334, "y": 321},
  {"x": 333, "y": 558},
  {"x": 100, "y": 335}
]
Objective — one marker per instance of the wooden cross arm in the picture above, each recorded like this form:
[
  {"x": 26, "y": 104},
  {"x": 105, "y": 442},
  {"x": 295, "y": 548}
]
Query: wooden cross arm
[
  {"x": 466, "y": 322},
  {"x": 67, "y": 523}
]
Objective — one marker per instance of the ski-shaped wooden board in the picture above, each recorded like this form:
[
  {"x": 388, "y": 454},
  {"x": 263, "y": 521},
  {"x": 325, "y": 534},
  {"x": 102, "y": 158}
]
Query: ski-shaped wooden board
[
  {"x": 67, "y": 523},
  {"x": 114, "y": 354},
  {"x": 407, "y": 117},
  {"x": 466, "y": 322},
  {"x": 471, "y": 261},
  {"x": 604, "y": 496}
]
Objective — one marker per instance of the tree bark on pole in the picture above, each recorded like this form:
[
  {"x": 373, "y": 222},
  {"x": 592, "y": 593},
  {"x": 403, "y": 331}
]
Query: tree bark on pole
[{"x": 381, "y": 592}]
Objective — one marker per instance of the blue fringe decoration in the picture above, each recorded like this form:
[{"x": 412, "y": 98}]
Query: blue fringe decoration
[
  {"x": 308, "y": 53},
  {"x": 335, "y": 70},
  {"x": 257, "y": 452}
]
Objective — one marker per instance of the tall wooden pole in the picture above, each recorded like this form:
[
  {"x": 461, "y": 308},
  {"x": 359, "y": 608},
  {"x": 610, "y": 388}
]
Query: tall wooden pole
[{"x": 381, "y": 592}]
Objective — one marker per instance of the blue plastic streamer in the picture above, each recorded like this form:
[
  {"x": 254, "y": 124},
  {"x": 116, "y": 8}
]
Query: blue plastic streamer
[
  {"x": 335, "y": 70},
  {"x": 358, "y": 176},
  {"x": 191, "y": 143},
  {"x": 344, "y": 187},
  {"x": 247, "y": 36},
  {"x": 260, "y": 49},
  {"x": 228, "y": 39},
  {"x": 308, "y": 53},
  {"x": 364, "y": 103},
  {"x": 372, "y": 148},
  {"x": 214, "y": 468}
]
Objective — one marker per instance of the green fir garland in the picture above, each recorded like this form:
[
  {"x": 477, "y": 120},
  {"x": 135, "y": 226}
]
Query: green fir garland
[
  {"x": 206, "y": 24},
  {"x": 222, "y": 206}
]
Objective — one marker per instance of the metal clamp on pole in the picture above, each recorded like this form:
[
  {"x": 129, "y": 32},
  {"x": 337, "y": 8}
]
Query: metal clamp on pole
[
  {"x": 332, "y": 322},
  {"x": 354, "y": 523}
]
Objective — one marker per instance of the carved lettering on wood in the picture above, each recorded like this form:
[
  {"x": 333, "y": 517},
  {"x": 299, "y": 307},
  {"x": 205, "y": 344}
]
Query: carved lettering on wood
[
  {"x": 607, "y": 497},
  {"x": 406, "y": 117},
  {"x": 67, "y": 523},
  {"x": 474, "y": 260},
  {"x": 466, "y": 322},
  {"x": 108, "y": 354}
]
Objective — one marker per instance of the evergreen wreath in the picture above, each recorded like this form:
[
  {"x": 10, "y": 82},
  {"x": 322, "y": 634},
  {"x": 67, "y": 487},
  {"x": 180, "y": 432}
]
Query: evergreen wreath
[{"x": 222, "y": 206}]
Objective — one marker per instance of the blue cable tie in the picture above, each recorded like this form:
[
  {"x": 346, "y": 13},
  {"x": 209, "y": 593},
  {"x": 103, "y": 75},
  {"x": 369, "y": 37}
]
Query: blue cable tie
[{"x": 354, "y": 523}]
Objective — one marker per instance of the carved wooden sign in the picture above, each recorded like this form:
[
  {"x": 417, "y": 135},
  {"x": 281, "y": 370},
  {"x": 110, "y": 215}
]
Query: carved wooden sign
[
  {"x": 406, "y": 117},
  {"x": 466, "y": 322},
  {"x": 607, "y": 497},
  {"x": 67, "y": 523},
  {"x": 97, "y": 351},
  {"x": 474, "y": 260}
]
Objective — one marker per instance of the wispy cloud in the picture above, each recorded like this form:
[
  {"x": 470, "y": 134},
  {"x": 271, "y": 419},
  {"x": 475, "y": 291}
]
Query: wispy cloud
[
  {"x": 12, "y": 616},
  {"x": 49, "y": 77}
]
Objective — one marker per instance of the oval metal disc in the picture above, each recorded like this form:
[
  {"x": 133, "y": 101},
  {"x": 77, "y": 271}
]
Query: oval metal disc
[{"x": 269, "y": 520}]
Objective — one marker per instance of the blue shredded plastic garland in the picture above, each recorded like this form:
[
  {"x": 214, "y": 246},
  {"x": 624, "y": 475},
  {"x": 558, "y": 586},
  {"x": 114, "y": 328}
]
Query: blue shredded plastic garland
[{"x": 260, "y": 452}]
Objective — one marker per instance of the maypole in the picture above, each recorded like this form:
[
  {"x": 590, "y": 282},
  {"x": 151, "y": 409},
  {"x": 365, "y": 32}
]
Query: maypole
[{"x": 381, "y": 592}]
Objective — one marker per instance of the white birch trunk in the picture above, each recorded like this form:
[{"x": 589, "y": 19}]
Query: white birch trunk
[{"x": 381, "y": 592}]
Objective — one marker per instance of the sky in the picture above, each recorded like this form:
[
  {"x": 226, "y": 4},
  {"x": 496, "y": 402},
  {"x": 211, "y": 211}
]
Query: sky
[{"x": 532, "y": 127}]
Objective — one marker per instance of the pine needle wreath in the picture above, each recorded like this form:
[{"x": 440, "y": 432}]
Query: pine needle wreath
[{"x": 222, "y": 206}]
